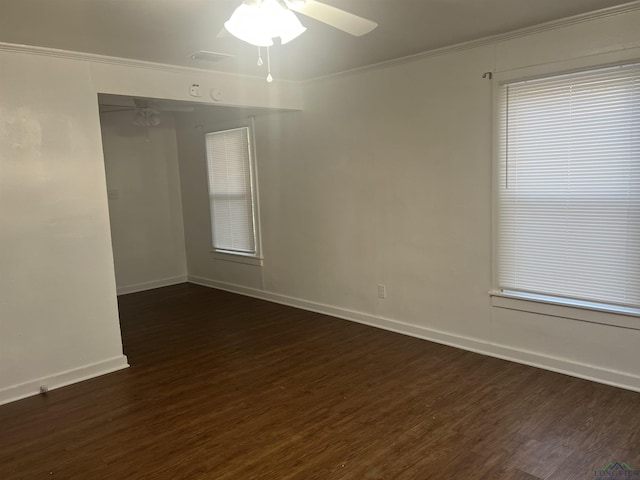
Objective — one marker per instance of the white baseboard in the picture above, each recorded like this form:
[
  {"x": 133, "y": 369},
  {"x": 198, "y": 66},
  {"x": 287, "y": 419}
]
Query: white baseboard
[
  {"x": 534, "y": 359},
  {"x": 141, "y": 287},
  {"x": 62, "y": 379}
]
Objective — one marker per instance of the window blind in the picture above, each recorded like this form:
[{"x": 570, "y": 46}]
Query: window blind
[
  {"x": 569, "y": 187},
  {"x": 230, "y": 191}
]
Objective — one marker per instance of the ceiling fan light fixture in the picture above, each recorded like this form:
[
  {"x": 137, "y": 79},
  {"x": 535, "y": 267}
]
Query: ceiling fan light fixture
[
  {"x": 258, "y": 23},
  {"x": 147, "y": 117},
  {"x": 246, "y": 23}
]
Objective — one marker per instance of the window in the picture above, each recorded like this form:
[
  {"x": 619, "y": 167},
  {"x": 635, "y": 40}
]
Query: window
[
  {"x": 232, "y": 192},
  {"x": 569, "y": 188}
]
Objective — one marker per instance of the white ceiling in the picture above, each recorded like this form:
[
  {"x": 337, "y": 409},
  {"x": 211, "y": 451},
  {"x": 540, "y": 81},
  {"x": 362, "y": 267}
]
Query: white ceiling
[{"x": 167, "y": 31}]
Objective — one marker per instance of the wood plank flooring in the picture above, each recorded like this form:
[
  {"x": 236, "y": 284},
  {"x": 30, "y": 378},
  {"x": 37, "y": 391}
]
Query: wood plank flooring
[{"x": 227, "y": 387}]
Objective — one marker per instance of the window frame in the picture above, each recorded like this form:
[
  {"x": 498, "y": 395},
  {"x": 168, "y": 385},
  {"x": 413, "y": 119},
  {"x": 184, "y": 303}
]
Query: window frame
[
  {"x": 550, "y": 306},
  {"x": 256, "y": 258}
]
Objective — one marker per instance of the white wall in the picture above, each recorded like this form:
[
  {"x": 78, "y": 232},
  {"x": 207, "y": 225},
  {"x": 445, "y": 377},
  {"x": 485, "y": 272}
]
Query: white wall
[
  {"x": 145, "y": 207},
  {"x": 58, "y": 309},
  {"x": 58, "y": 312},
  {"x": 385, "y": 177},
  {"x": 141, "y": 79}
]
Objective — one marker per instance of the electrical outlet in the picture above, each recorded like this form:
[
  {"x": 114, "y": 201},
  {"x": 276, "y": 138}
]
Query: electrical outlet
[{"x": 382, "y": 291}]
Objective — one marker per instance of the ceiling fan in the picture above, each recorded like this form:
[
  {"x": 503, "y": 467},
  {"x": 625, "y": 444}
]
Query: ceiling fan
[
  {"x": 147, "y": 113},
  {"x": 259, "y": 21}
]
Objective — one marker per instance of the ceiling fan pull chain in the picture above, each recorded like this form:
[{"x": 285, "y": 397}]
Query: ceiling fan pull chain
[
  {"x": 269, "y": 77},
  {"x": 260, "y": 62}
]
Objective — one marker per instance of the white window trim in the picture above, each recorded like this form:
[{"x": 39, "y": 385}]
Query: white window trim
[
  {"x": 239, "y": 257},
  {"x": 604, "y": 315},
  {"x": 564, "y": 308},
  {"x": 236, "y": 257}
]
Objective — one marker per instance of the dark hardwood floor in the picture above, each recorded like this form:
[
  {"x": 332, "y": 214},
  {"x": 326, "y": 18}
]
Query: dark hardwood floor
[{"x": 227, "y": 387}]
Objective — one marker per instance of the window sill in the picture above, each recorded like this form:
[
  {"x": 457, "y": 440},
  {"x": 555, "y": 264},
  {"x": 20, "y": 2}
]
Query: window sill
[
  {"x": 618, "y": 317},
  {"x": 237, "y": 258}
]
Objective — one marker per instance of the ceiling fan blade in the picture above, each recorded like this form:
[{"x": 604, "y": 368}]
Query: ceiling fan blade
[
  {"x": 110, "y": 109},
  {"x": 177, "y": 108},
  {"x": 340, "y": 19}
]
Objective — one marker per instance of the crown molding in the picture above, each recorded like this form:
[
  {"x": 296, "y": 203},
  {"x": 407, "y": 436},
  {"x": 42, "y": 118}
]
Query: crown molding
[
  {"x": 124, "y": 62},
  {"x": 625, "y": 8}
]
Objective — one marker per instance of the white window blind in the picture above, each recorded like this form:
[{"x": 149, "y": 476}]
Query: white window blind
[
  {"x": 230, "y": 191},
  {"x": 569, "y": 188}
]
